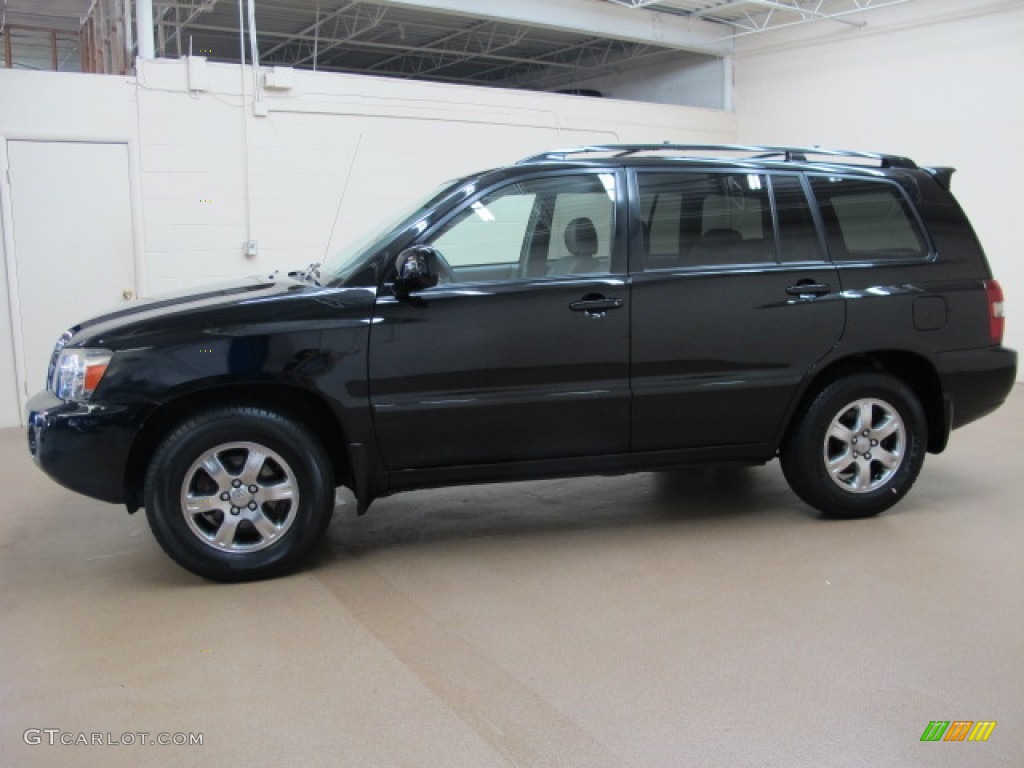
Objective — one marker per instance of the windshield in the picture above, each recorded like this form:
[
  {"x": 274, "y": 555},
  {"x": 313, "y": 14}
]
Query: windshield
[{"x": 344, "y": 263}]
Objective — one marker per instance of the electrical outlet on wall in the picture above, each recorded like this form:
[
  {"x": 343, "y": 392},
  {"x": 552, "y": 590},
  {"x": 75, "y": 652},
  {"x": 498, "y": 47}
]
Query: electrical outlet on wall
[{"x": 251, "y": 248}]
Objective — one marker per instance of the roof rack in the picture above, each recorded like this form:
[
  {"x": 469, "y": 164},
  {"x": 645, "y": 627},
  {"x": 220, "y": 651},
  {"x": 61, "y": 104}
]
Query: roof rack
[{"x": 788, "y": 154}]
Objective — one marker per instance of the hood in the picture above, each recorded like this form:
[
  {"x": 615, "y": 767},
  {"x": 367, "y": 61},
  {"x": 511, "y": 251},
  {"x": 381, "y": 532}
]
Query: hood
[
  {"x": 167, "y": 302},
  {"x": 228, "y": 308}
]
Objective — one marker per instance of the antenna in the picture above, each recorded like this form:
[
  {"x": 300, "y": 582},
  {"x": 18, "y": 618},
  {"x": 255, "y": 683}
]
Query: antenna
[{"x": 344, "y": 190}]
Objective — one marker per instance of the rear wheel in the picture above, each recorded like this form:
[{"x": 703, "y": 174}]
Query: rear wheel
[
  {"x": 858, "y": 447},
  {"x": 239, "y": 493}
]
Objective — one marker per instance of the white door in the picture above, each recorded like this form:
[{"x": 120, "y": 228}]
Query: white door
[{"x": 73, "y": 247}]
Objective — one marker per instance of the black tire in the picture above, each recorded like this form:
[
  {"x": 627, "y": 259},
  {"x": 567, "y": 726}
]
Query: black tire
[
  {"x": 827, "y": 457},
  {"x": 201, "y": 503}
]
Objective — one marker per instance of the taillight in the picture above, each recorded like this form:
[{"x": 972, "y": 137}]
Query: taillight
[{"x": 996, "y": 318}]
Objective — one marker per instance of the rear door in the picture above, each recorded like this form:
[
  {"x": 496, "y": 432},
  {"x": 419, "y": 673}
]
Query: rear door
[
  {"x": 522, "y": 352},
  {"x": 886, "y": 266},
  {"x": 733, "y": 303}
]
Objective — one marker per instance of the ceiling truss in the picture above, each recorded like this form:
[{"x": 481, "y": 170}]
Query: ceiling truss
[
  {"x": 400, "y": 38},
  {"x": 349, "y": 22},
  {"x": 749, "y": 17},
  {"x": 373, "y": 37}
]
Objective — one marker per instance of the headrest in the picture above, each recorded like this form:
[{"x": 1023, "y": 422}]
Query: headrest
[{"x": 581, "y": 237}]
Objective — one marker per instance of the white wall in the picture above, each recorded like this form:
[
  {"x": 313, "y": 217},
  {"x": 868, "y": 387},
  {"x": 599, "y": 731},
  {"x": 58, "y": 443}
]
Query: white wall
[
  {"x": 55, "y": 107},
  {"x": 690, "y": 80},
  {"x": 333, "y": 156},
  {"x": 8, "y": 379},
  {"x": 938, "y": 81},
  {"x": 382, "y": 142}
]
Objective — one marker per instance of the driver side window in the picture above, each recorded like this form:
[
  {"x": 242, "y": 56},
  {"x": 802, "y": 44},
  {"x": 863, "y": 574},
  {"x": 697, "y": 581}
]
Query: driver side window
[{"x": 560, "y": 225}]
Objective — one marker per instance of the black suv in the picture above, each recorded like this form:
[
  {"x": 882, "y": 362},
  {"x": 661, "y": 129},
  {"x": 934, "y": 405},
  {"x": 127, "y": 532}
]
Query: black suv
[{"x": 598, "y": 310}]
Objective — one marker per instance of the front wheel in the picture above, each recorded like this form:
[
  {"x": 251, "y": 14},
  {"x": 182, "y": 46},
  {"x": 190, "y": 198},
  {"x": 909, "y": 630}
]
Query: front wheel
[
  {"x": 239, "y": 493},
  {"x": 858, "y": 447}
]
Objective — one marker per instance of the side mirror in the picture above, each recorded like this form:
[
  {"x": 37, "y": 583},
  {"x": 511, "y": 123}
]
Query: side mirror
[{"x": 416, "y": 269}]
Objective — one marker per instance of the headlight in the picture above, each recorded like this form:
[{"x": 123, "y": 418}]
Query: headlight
[{"x": 78, "y": 372}]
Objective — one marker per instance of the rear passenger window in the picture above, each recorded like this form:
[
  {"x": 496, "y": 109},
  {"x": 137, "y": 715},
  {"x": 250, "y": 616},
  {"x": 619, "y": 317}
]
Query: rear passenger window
[
  {"x": 705, "y": 219},
  {"x": 867, "y": 220}
]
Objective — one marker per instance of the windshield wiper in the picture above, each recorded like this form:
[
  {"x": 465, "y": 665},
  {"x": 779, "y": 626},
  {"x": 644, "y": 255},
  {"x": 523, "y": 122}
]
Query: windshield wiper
[{"x": 310, "y": 274}]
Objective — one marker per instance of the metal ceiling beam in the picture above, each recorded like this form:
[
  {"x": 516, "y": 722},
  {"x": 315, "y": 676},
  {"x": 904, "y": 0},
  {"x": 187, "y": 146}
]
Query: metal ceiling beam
[
  {"x": 770, "y": 15},
  {"x": 794, "y": 7},
  {"x": 428, "y": 52},
  {"x": 769, "y": 23},
  {"x": 288, "y": 54},
  {"x": 285, "y": 55},
  {"x": 586, "y": 17},
  {"x": 312, "y": 28},
  {"x": 193, "y": 12},
  {"x": 484, "y": 43},
  {"x": 479, "y": 41},
  {"x": 635, "y": 3},
  {"x": 362, "y": 20},
  {"x": 773, "y": 6}
]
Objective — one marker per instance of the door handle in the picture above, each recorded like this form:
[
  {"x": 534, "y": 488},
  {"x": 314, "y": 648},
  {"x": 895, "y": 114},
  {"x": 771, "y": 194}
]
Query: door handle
[
  {"x": 595, "y": 305},
  {"x": 809, "y": 289}
]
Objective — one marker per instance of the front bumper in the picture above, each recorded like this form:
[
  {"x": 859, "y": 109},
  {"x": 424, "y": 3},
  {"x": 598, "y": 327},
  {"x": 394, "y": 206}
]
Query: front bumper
[{"x": 83, "y": 447}]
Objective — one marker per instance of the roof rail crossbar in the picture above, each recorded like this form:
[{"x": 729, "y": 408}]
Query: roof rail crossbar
[{"x": 788, "y": 154}]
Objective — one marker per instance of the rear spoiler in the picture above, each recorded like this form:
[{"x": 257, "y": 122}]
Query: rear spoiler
[{"x": 943, "y": 175}]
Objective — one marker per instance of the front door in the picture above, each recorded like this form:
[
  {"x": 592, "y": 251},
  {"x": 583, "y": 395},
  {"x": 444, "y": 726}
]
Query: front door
[{"x": 522, "y": 351}]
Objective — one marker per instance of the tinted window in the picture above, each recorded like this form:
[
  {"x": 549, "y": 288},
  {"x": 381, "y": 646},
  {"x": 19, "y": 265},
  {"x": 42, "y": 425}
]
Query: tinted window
[
  {"x": 705, "y": 219},
  {"x": 552, "y": 226},
  {"x": 867, "y": 220},
  {"x": 798, "y": 236},
  {"x": 490, "y": 231}
]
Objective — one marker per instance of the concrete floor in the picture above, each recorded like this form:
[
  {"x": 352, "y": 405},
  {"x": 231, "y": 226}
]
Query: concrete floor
[{"x": 696, "y": 618}]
